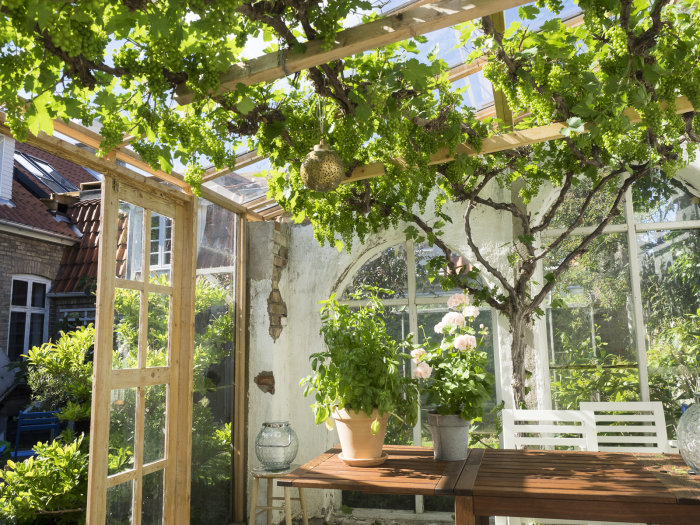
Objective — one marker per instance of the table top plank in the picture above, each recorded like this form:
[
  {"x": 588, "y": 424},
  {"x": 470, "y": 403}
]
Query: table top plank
[
  {"x": 538, "y": 483},
  {"x": 407, "y": 470},
  {"x": 465, "y": 484},
  {"x": 572, "y": 475}
]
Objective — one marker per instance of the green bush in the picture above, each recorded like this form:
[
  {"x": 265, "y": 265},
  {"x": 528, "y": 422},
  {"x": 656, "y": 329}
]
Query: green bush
[
  {"x": 49, "y": 488},
  {"x": 674, "y": 366},
  {"x": 60, "y": 374}
]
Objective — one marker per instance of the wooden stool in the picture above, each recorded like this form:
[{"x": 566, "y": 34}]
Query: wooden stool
[{"x": 270, "y": 476}]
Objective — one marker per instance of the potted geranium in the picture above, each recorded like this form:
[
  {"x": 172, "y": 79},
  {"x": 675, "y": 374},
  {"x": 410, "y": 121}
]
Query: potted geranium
[
  {"x": 454, "y": 378},
  {"x": 357, "y": 380}
]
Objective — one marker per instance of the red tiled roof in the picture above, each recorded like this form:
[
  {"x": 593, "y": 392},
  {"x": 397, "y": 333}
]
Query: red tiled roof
[
  {"x": 30, "y": 211},
  {"x": 78, "y": 269}
]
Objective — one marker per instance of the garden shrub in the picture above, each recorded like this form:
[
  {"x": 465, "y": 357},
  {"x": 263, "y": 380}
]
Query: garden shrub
[{"x": 49, "y": 488}]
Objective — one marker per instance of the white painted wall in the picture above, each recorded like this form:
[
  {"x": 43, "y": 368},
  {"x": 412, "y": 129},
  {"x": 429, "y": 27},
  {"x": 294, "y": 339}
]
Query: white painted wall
[
  {"x": 7, "y": 152},
  {"x": 312, "y": 274}
]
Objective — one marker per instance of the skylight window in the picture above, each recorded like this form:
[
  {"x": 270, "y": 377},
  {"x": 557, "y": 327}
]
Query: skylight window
[{"x": 43, "y": 171}]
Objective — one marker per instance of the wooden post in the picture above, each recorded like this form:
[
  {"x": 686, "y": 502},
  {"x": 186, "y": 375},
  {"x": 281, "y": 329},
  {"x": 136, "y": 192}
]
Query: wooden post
[
  {"x": 104, "y": 319},
  {"x": 240, "y": 377},
  {"x": 180, "y": 421}
]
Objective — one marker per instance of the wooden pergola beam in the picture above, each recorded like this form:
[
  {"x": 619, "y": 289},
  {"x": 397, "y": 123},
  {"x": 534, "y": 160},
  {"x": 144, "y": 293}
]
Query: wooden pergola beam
[
  {"x": 92, "y": 139},
  {"x": 464, "y": 70},
  {"x": 496, "y": 143},
  {"x": 83, "y": 157},
  {"x": 394, "y": 28},
  {"x": 242, "y": 161}
]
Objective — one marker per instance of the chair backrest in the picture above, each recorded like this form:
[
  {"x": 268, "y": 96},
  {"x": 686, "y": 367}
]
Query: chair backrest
[
  {"x": 633, "y": 426},
  {"x": 32, "y": 421},
  {"x": 550, "y": 429}
]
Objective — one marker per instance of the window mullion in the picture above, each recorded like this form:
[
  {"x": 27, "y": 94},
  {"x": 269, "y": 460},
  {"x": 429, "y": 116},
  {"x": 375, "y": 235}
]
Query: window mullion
[
  {"x": 413, "y": 323},
  {"x": 636, "y": 290}
]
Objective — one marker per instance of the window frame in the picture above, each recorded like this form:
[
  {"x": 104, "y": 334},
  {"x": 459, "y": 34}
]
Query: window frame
[
  {"x": 164, "y": 226},
  {"x": 28, "y": 310},
  {"x": 632, "y": 228},
  {"x": 51, "y": 179}
]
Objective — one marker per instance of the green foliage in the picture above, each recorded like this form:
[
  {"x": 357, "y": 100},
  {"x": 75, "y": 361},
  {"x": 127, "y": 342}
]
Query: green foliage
[
  {"x": 60, "y": 374},
  {"x": 458, "y": 381},
  {"x": 674, "y": 365},
  {"x": 592, "y": 375},
  {"x": 49, "y": 488},
  {"x": 121, "y": 62},
  {"x": 361, "y": 369}
]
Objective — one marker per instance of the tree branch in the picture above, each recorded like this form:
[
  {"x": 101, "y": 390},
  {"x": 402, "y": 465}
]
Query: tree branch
[{"x": 480, "y": 258}]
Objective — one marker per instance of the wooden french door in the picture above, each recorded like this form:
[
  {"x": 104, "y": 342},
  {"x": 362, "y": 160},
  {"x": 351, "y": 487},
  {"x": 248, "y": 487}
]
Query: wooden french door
[{"x": 140, "y": 439}]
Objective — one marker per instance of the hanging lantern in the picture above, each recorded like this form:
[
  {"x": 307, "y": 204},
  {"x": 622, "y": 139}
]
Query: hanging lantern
[{"x": 322, "y": 169}]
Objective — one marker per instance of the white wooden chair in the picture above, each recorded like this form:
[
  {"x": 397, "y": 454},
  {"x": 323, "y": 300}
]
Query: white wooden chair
[
  {"x": 634, "y": 426},
  {"x": 551, "y": 430}
]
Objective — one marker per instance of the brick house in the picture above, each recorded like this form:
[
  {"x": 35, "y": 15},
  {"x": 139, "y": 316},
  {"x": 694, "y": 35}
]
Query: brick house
[{"x": 49, "y": 220}]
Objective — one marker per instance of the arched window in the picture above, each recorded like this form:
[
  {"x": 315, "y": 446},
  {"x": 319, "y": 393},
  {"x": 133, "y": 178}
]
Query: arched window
[
  {"x": 415, "y": 306},
  {"x": 29, "y": 319}
]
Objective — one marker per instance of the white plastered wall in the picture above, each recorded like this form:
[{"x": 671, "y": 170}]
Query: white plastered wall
[
  {"x": 7, "y": 162},
  {"x": 312, "y": 274}
]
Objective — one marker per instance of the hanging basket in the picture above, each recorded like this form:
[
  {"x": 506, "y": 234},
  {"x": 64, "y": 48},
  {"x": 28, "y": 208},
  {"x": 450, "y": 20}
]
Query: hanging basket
[{"x": 322, "y": 169}]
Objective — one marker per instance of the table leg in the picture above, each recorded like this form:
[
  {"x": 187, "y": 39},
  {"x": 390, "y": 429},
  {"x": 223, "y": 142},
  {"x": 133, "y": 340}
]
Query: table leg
[{"x": 464, "y": 512}]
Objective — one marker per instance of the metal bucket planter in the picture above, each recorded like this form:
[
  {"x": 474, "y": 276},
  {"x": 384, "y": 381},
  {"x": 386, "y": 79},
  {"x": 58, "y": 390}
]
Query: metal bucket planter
[{"x": 450, "y": 436}]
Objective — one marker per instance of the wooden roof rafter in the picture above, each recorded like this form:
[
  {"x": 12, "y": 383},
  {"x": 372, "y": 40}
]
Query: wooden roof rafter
[
  {"x": 512, "y": 140},
  {"x": 108, "y": 164},
  {"x": 384, "y": 31}
]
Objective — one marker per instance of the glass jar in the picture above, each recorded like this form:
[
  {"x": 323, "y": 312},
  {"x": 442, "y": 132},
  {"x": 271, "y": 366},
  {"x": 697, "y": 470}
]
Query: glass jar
[
  {"x": 276, "y": 445},
  {"x": 689, "y": 435}
]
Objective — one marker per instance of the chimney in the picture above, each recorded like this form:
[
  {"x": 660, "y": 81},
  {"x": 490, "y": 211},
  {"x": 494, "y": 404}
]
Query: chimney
[{"x": 7, "y": 165}]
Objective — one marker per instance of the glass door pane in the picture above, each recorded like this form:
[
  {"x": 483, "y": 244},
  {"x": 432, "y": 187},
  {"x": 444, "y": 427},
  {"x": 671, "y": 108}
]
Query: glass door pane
[{"x": 591, "y": 332}]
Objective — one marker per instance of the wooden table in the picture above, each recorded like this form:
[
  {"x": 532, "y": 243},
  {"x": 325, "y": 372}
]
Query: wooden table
[{"x": 628, "y": 487}]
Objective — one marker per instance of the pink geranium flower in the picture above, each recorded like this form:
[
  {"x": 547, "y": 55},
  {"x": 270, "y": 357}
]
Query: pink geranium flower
[
  {"x": 439, "y": 327},
  {"x": 462, "y": 342},
  {"x": 470, "y": 311},
  {"x": 457, "y": 300},
  {"x": 417, "y": 354},
  {"x": 453, "y": 318},
  {"x": 422, "y": 370}
]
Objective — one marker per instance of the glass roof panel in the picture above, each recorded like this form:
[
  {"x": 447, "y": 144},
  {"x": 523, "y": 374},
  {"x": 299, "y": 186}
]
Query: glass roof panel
[{"x": 569, "y": 9}]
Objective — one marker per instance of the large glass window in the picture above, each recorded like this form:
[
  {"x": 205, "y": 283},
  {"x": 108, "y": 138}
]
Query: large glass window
[
  {"x": 415, "y": 306},
  {"x": 214, "y": 389},
  {"x": 592, "y": 351},
  {"x": 28, "y": 314},
  {"x": 627, "y": 319}
]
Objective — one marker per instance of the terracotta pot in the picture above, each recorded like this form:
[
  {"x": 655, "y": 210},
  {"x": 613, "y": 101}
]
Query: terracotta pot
[
  {"x": 450, "y": 436},
  {"x": 360, "y": 446}
]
